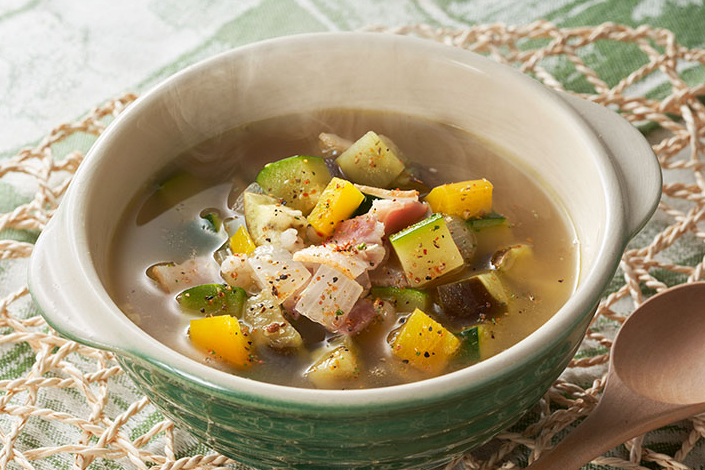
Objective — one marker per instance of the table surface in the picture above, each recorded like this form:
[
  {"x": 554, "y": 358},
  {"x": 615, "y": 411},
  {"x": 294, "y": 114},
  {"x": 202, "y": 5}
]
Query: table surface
[{"x": 59, "y": 59}]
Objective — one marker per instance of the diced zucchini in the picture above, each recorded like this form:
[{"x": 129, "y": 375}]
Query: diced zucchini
[
  {"x": 476, "y": 297},
  {"x": 504, "y": 259},
  {"x": 223, "y": 337},
  {"x": 489, "y": 220},
  {"x": 465, "y": 199},
  {"x": 424, "y": 343},
  {"x": 210, "y": 299},
  {"x": 370, "y": 161},
  {"x": 426, "y": 250},
  {"x": 464, "y": 238},
  {"x": 472, "y": 344},
  {"x": 298, "y": 180},
  {"x": 403, "y": 299},
  {"x": 337, "y": 203},
  {"x": 365, "y": 205},
  {"x": 213, "y": 221},
  {"x": 269, "y": 326},
  {"x": 241, "y": 242},
  {"x": 333, "y": 367},
  {"x": 266, "y": 218}
]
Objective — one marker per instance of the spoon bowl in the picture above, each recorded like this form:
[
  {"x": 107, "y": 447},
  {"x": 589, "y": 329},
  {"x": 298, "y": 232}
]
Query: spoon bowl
[
  {"x": 659, "y": 352},
  {"x": 656, "y": 377}
]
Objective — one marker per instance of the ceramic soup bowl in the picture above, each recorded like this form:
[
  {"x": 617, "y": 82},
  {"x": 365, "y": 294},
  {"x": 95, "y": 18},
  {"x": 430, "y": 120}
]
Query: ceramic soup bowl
[{"x": 599, "y": 168}]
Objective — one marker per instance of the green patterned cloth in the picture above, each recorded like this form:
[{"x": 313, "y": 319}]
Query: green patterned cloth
[{"x": 60, "y": 59}]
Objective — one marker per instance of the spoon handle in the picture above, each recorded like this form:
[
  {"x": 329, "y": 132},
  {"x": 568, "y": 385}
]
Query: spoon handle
[{"x": 620, "y": 415}]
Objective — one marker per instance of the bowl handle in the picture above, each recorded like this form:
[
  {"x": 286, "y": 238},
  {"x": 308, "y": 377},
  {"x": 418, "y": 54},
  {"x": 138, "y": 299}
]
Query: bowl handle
[
  {"x": 60, "y": 286},
  {"x": 634, "y": 161}
]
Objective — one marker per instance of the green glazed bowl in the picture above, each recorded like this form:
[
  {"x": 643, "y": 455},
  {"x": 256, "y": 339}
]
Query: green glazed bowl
[{"x": 597, "y": 166}]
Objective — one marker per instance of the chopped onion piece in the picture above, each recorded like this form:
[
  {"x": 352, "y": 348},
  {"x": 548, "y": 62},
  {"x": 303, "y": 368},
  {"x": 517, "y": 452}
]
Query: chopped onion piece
[
  {"x": 329, "y": 298},
  {"x": 173, "y": 277},
  {"x": 275, "y": 270},
  {"x": 237, "y": 272},
  {"x": 388, "y": 193},
  {"x": 347, "y": 261},
  {"x": 332, "y": 145}
]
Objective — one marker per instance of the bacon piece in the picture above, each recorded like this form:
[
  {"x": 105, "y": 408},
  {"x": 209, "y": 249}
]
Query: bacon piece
[
  {"x": 364, "y": 228},
  {"x": 397, "y": 214},
  {"x": 389, "y": 275},
  {"x": 361, "y": 315}
]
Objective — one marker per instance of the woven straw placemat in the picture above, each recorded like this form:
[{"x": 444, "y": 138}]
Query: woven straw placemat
[{"x": 64, "y": 405}]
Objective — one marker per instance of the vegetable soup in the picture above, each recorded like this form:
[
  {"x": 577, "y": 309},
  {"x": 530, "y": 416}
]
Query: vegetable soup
[{"x": 343, "y": 249}]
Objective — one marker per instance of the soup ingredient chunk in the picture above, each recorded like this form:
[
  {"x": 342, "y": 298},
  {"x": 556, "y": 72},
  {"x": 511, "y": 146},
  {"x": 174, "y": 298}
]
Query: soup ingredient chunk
[
  {"x": 241, "y": 242},
  {"x": 213, "y": 298},
  {"x": 476, "y": 297},
  {"x": 472, "y": 346},
  {"x": 267, "y": 218},
  {"x": 403, "y": 299},
  {"x": 223, "y": 337},
  {"x": 426, "y": 250},
  {"x": 424, "y": 343},
  {"x": 173, "y": 277},
  {"x": 486, "y": 221},
  {"x": 329, "y": 298},
  {"x": 465, "y": 199},
  {"x": 269, "y": 327},
  {"x": 337, "y": 203},
  {"x": 463, "y": 236},
  {"x": 297, "y": 180},
  {"x": 276, "y": 271},
  {"x": 504, "y": 258},
  {"x": 371, "y": 161},
  {"x": 334, "y": 366}
]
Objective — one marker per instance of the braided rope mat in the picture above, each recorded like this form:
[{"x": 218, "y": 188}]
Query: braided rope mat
[{"x": 71, "y": 406}]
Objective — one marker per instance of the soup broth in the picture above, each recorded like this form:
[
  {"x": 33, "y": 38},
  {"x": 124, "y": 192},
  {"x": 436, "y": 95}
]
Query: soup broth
[{"x": 189, "y": 212}]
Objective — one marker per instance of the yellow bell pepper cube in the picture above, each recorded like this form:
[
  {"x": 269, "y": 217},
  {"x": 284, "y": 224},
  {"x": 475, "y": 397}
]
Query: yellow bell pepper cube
[
  {"x": 222, "y": 336},
  {"x": 424, "y": 343},
  {"x": 465, "y": 199},
  {"x": 241, "y": 242},
  {"x": 338, "y": 202}
]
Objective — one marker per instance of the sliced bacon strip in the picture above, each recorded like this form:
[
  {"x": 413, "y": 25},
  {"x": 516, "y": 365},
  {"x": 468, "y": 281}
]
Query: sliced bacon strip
[
  {"x": 364, "y": 228},
  {"x": 397, "y": 214}
]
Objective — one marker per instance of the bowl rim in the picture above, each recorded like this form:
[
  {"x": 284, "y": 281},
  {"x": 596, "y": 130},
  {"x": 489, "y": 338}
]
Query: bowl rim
[{"x": 572, "y": 313}]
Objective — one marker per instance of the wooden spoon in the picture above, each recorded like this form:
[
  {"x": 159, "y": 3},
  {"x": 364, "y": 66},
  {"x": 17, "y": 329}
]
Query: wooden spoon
[{"x": 656, "y": 377}]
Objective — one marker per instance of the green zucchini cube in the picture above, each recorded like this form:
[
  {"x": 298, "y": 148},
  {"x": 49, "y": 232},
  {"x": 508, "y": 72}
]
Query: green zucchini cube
[
  {"x": 476, "y": 297},
  {"x": 405, "y": 299},
  {"x": 371, "y": 161},
  {"x": 213, "y": 299},
  {"x": 298, "y": 180},
  {"x": 426, "y": 250},
  {"x": 472, "y": 344}
]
